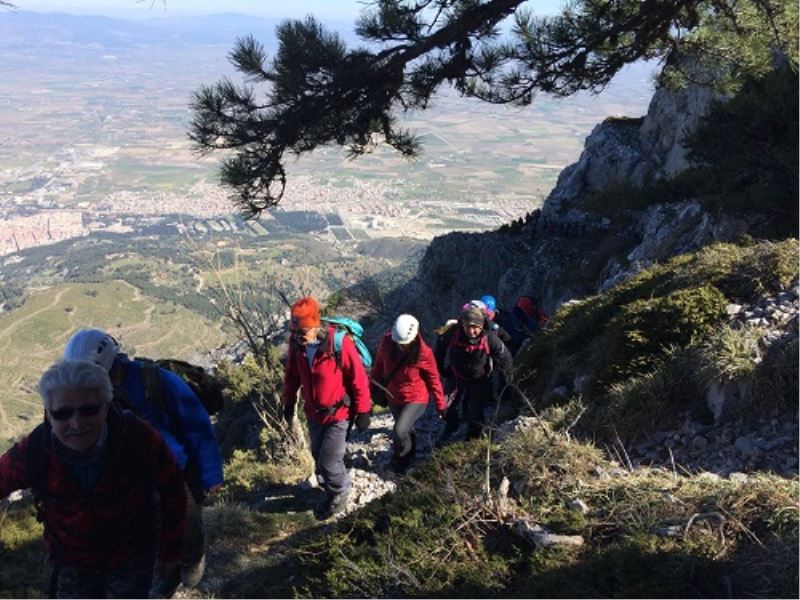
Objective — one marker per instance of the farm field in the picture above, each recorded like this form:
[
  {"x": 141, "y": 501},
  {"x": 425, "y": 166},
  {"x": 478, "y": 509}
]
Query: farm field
[{"x": 33, "y": 336}]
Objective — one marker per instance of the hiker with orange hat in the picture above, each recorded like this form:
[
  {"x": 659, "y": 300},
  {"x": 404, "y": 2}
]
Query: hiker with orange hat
[{"x": 333, "y": 388}]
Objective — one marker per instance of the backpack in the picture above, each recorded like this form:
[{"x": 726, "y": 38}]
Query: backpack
[
  {"x": 346, "y": 326},
  {"x": 205, "y": 386},
  {"x": 506, "y": 319}
]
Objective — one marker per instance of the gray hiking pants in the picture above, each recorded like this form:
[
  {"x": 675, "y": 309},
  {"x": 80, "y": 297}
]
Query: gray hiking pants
[
  {"x": 402, "y": 435},
  {"x": 327, "y": 447},
  {"x": 131, "y": 580}
]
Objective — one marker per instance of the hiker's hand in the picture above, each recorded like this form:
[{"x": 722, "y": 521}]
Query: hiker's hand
[
  {"x": 362, "y": 421},
  {"x": 214, "y": 489},
  {"x": 166, "y": 580},
  {"x": 288, "y": 413}
]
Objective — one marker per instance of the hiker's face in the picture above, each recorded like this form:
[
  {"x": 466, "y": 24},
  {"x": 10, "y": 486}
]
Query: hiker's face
[
  {"x": 472, "y": 330},
  {"x": 76, "y": 427},
  {"x": 306, "y": 335}
]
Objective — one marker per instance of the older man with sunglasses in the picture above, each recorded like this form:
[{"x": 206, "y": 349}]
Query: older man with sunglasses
[{"x": 93, "y": 470}]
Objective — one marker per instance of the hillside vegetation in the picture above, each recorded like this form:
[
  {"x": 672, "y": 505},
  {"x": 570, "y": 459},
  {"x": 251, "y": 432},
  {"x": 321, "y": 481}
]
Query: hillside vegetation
[
  {"x": 450, "y": 531},
  {"x": 650, "y": 533},
  {"x": 642, "y": 352},
  {"x": 34, "y": 335},
  {"x": 533, "y": 511}
]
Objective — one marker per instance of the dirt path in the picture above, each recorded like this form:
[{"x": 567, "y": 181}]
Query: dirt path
[{"x": 7, "y": 331}]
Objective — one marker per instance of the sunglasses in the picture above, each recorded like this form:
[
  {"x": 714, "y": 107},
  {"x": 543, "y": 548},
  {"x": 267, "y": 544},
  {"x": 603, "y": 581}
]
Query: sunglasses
[{"x": 87, "y": 410}]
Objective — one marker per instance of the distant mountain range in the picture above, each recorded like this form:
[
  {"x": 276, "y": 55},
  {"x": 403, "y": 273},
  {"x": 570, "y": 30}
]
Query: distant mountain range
[{"x": 23, "y": 28}]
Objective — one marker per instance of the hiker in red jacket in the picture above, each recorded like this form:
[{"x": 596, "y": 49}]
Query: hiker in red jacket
[
  {"x": 334, "y": 388},
  {"x": 92, "y": 470},
  {"x": 406, "y": 368}
]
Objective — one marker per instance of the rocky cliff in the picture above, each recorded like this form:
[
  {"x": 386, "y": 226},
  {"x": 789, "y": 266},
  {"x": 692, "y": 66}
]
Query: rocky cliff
[{"x": 562, "y": 251}]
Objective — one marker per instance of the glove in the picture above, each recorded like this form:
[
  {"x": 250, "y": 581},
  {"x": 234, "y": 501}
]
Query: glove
[
  {"x": 166, "y": 580},
  {"x": 362, "y": 421},
  {"x": 288, "y": 413}
]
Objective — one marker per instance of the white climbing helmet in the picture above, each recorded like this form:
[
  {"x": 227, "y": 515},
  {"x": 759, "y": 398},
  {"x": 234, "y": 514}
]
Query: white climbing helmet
[
  {"x": 405, "y": 329},
  {"x": 93, "y": 345}
]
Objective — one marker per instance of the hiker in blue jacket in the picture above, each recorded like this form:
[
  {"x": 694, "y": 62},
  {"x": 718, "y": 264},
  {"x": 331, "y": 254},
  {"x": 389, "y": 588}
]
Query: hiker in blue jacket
[{"x": 178, "y": 415}]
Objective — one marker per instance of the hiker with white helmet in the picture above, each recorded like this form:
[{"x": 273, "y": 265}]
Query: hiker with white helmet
[
  {"x": 406, "y": 370},
  {"x": 164, "y": 400},
  {"x": 92, "y": 470}
]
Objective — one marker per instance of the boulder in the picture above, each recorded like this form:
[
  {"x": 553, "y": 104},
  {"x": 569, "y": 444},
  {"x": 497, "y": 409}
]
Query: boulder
[{"x": 726, "y": 398}]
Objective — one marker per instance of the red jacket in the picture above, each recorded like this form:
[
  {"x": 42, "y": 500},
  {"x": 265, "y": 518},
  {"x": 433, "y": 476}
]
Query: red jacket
[
  {"x": 324, "y": 384},
  {"x": 103, "y": 528},
  {"x": 411, "y": 383}
]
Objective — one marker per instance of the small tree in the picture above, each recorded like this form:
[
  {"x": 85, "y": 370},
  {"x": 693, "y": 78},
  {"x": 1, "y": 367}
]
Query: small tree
[
  {"x": 318, "y": 92},
  {"x": 257, "y": 316}
]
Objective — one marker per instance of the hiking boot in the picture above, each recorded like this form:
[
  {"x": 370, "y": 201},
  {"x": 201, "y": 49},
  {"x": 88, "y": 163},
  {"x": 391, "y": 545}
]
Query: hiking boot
[
  {"x": 166, "y": 582},
  {"x": 398, "y": 465},
  {"x": 333, "y": 505},
  {"x": 192, "y": 574},
  {"x": 447, "y": 432}
]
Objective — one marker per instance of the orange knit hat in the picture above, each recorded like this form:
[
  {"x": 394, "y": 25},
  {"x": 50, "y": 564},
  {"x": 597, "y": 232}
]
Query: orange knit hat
[{"x": 305, "y": 313}]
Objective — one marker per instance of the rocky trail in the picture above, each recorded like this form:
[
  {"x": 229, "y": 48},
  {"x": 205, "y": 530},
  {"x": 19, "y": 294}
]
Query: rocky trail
[{"x": 368, "y": 456}]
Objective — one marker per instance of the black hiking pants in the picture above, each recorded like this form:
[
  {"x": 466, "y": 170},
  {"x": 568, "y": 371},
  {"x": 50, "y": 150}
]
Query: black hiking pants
[
  {"x": 193, "y": 543},
  {"x": 403, "y": 433},
  {"x": 472, "y": 398}
]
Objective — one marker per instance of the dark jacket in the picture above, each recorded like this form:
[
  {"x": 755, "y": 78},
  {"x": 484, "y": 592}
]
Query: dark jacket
[
  {"x": 411, "y": 383},
  {"x": 106, "y": 526},
  {"x": 324, "y": 384},
  {"x": 471, "y": 361}
]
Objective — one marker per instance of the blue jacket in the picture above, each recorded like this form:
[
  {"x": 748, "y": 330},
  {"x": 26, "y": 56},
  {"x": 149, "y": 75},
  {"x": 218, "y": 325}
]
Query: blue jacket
[{"x": 184, "y": 426}]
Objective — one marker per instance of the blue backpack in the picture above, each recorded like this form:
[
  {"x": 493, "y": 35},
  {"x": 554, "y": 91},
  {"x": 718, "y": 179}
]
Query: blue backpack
[{"x": 346, "y": 326}]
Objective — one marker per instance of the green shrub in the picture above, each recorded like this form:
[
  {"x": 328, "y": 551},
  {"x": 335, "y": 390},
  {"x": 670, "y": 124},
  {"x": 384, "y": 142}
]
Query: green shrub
[
  {"x": 777, "y": 375},
  {"x": 652, "y": 401},
  {"x": 23, "y": 572},
  {"x": 624, "y": 343},
  {"x": 642, "y": 331},
  {"x": 254, "y": 439},
  {"x": 730, "y": 354}
]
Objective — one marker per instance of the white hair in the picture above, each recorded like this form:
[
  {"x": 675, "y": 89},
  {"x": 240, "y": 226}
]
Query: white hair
[{"x": 75, "y": 375}]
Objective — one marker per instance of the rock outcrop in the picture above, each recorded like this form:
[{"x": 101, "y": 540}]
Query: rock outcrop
[{"x": 563, "y": 252}]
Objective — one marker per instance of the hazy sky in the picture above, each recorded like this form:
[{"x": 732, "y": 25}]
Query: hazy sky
[{"x": 346, "y": 10}]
